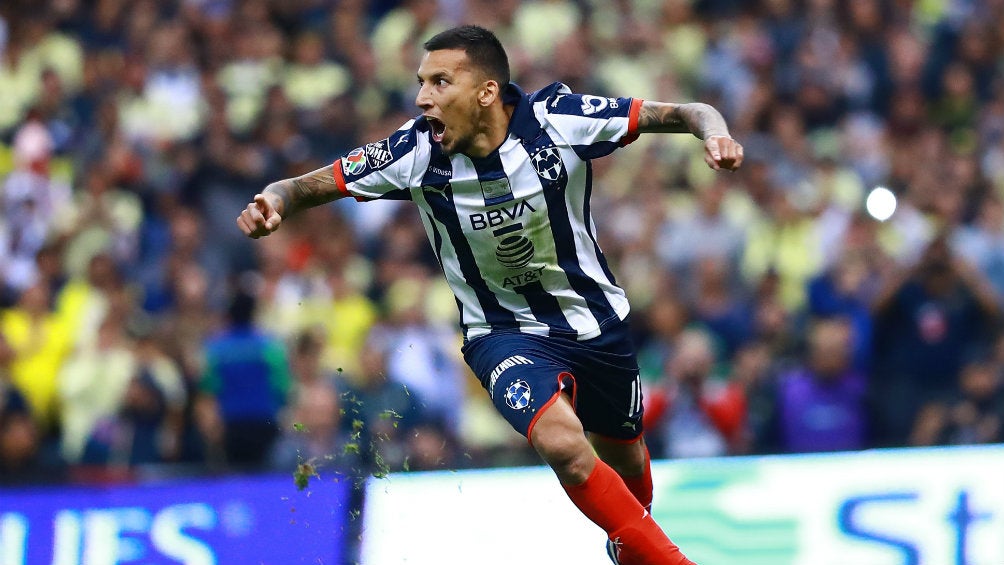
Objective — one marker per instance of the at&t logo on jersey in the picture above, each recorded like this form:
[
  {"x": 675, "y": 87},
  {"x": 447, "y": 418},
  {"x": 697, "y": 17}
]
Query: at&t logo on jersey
[
  {"x": 514, "y": 251},
  {"x": 526, "y": 277},
  {"x": 592, "y": 104},
  {"x": 355, "y": 162}
]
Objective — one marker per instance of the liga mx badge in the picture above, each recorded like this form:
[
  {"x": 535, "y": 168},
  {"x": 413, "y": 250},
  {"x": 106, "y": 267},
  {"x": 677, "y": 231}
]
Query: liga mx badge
[
  {"x": 496, "y": 190},
  {"x": 355, "y": 162},
  {"x": 517, "y": 395}
]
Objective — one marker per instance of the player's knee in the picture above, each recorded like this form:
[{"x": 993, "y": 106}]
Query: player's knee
[
  {"x": 629, "y": 462},
  {"x": 628, "y": 459},
  {"x": 568, "y": 454}
]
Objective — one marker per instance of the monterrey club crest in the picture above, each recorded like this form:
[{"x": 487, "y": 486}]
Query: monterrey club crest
[
  {"x": 517, "y": 395},
  {"x": 547, "y": 163},
  {"x": 355, "y": 162}
]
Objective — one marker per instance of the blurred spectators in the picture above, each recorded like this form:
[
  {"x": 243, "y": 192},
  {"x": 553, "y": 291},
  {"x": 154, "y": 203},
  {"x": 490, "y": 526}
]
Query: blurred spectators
[
  {"x": 316, "y": 427},
  {"x": 31, "y": 201},
  {"x": 692, "y": 413},
  {"x": 821, "y": 405},
  {"x": 381, "y": 413},
  {"x": 973, "y": 415},
  {"x": 131, "y": 133},
  {"x": 92, "y": 384},
  {"x": 41, "y": 345},
  {"x": 20, "y": 439},
  {"x": 930, "y": 319},
  {"x": 244, "y": 387}
]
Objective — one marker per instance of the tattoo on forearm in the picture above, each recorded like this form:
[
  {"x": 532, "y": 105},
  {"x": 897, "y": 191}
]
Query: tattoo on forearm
[
  {"x": 656, "y": 117},
  {"x": 311, "y": 189},
  {"x": 700, "y": 119},
  {"x": 282, "y": 190}
]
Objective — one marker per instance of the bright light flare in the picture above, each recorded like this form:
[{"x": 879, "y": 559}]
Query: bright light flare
[{"x": 881, "y": 203}]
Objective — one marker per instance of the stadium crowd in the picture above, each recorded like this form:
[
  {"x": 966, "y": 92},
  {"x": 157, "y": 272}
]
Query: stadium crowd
[{"x": 140, "y": 332}]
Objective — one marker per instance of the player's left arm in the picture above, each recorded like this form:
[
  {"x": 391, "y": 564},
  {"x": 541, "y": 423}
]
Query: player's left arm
[{"x": 702, "y": 120}]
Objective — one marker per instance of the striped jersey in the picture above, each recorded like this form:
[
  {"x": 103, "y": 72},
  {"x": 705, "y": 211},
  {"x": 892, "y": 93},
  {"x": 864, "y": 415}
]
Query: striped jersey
[{"x": 512, "y": 231}]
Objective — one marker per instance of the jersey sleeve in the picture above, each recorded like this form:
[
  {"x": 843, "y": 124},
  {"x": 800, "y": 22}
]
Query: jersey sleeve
[
  {"x": 381, "y": 170},
  {"x": 592, "y": 125}
]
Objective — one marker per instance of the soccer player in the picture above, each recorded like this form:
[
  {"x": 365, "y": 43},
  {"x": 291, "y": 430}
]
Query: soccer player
[{"x": 502, "y": 179}]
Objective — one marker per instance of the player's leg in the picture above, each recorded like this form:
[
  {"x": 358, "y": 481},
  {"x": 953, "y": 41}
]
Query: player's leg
[
  {"x": 532, "y": 387},
  {"x": 631, "y": 460},
  {"x": 597, "y": 490}
]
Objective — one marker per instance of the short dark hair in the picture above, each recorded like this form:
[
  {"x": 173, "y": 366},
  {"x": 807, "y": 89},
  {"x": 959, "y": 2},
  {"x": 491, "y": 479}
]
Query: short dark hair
[{"x": 482, "y": 48}]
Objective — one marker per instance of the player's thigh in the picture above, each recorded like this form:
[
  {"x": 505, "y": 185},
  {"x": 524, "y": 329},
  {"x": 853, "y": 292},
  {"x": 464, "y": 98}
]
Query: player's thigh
[{"x": 608, "y": 390}]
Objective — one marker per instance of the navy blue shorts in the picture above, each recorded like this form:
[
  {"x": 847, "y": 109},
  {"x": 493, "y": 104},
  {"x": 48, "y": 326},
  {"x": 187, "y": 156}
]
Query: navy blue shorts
[{"x": 524, "y": 373}]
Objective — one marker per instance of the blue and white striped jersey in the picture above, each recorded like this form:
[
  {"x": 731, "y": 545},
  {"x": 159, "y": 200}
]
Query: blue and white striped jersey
[{"x": 512, "y": 231}]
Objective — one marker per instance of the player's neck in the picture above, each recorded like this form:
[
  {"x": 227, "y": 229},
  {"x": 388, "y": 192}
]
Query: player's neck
[{"x": 493, "y": 128}]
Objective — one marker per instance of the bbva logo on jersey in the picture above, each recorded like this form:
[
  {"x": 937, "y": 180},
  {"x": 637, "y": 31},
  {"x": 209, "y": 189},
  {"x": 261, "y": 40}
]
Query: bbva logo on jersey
[{"x": 547, "y": 163}]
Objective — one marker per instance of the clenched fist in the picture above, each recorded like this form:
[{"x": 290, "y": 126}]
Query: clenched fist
[{"x": 722, "y": 152}]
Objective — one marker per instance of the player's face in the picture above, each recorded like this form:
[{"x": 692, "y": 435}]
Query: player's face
[{"x": 448, "y": 96}]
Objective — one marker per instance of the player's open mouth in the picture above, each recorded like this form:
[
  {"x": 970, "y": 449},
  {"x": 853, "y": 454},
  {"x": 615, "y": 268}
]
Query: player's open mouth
[{"x": 438, "y": 129}]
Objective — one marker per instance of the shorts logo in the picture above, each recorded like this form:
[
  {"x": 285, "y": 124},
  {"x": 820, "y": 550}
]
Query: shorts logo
[
  {"x": 510, "y": 361},
  {"x": 547, "y": 163},
  {"x": 517, "y": 395},
  {"x": 355, "y": 162},
  {"x": 514, "y": 251},
  {"x": 378, "y": 154}
]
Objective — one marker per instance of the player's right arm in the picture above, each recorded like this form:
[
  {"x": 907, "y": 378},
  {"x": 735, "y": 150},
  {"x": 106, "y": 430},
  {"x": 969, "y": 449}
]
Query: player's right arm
[
  {"x": 383, "y": 169},
  {"x": 281, "y": 199}
]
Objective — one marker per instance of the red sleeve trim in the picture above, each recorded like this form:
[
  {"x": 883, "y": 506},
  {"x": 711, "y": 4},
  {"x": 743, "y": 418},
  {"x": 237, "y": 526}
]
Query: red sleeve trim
[
  {"x": 336, "y": 171},
  {"x": 633, "y": 114},
  {"x": 343, "y": 189}
]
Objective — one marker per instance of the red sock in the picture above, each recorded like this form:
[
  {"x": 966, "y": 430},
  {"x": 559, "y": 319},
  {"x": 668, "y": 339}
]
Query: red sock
[
  {"x": 641, "y": 486},
  {"x": 605, "y": 500}
]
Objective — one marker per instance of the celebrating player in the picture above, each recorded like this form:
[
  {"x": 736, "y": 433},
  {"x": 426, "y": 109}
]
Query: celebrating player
[{"x": 502, "y": 179}]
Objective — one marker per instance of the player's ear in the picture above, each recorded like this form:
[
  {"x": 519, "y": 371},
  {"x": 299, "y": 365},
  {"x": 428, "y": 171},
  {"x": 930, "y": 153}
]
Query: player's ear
[{"x": 489, "y": 92}]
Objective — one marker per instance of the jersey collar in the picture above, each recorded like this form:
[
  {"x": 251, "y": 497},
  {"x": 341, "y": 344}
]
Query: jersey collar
[{"x": 523, "y": 124}]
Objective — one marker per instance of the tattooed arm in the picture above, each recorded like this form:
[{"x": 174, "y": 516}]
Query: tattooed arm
[
  {"x": 286, "y": 197},
  {"x": 702, "y": 120}
]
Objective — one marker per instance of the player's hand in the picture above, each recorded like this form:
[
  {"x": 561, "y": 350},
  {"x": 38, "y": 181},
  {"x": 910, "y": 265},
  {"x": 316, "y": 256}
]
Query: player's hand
[
  {"x": 260, "y": 218},
  {"x": 723, "y": 152}
]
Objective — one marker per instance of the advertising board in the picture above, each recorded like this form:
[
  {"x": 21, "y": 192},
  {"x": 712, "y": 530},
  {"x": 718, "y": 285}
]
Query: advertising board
[
  {"x": 886, "y": 507},
  {"x": 239, "y": 520}
]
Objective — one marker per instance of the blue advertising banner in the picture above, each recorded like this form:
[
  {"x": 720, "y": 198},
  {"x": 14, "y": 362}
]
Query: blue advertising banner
[{"x": 239, "y": 520}]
